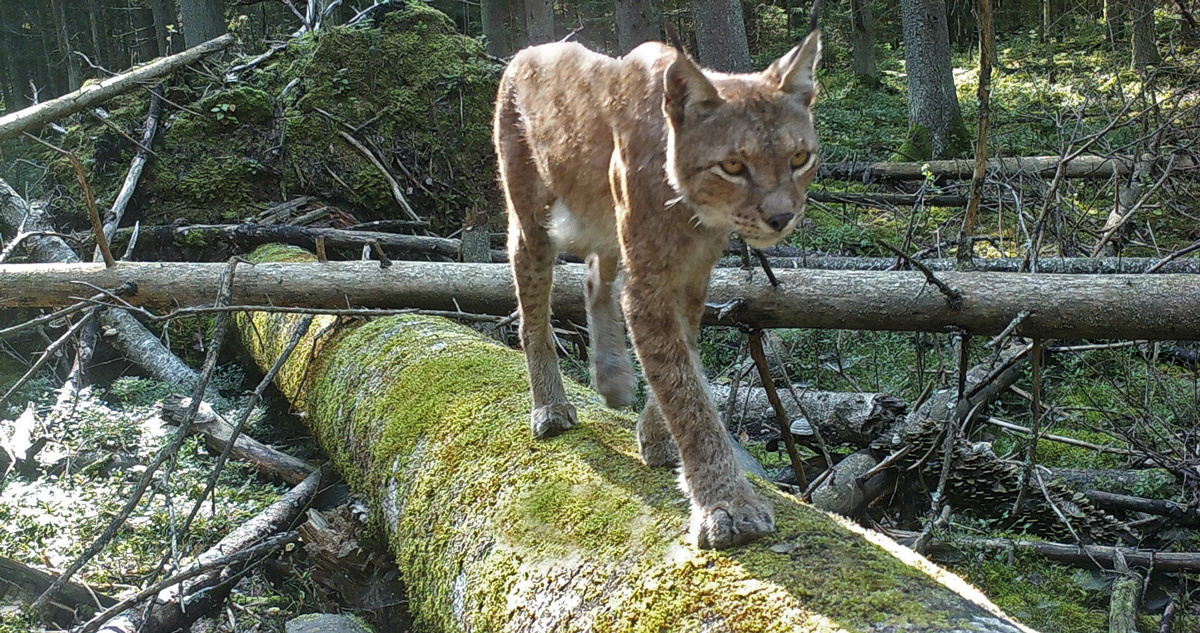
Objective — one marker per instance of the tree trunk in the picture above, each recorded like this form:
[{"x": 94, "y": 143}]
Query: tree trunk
[
  {"x": 495, "y": 28},
  {"x": 64, "y": 45},
  {"x": 1114, "y": 20},
  {"x": 494, "y": 530},
  {"x": 637, "y": 22},
  {"x": 13, "y": 41},
  {"x": 1145, "y": 42},
  {"x": 862, "y": 42},
  {"x": 1058, "y": 306},
  {"x": 144, "y": 33},
  {"x": 936, "y": 127},
  {"x": 721, "y": 35},
  {"x": 30, "y": 118},
  {"x": 203, "y": 20},
  {"x": 163, "y": 12},
  {"x": 539, "y": 21}
]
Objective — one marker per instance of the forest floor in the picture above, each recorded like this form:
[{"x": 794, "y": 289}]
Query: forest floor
[{"x": 1135, "y": 395}]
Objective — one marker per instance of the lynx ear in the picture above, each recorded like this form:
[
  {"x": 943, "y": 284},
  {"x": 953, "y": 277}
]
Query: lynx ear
[
  {"x": 796, "y": 72},
  {"x": 686, "y": 90}
]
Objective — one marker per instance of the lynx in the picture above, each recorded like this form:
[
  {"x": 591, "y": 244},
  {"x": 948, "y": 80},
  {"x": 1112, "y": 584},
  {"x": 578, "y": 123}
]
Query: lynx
[{"x": 645, "y": 165}]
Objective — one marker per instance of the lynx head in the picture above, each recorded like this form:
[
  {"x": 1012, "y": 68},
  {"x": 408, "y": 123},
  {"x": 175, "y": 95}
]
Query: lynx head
[{"x": 742, "y": 149}]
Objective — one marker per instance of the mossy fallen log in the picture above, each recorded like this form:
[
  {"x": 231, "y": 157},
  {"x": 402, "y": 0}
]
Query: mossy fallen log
[{"x": 495, "y": 531}]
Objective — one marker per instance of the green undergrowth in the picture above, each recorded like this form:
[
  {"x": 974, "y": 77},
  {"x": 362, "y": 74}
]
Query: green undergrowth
[{"x": 410, "y": 88}]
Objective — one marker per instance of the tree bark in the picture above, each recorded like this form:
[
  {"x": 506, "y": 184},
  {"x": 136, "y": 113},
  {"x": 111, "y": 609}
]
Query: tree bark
[
  {"x": 494, "y": 530},
  {"x": 14, "y": 124},
  {"x": 539, "y": 21},
  {"x": 17, "y": 69},
  {"x": 494, "y": 14},
  {"x": 862, "y": 42},
  {"x": 1058, "y": 306},
  {"x": 637, "y": 22},
  {"x": 203, "y": 20},
  {"x": 70, "y": 598},
  {"x": 1145, "y": 42},
  {"x": 65, "y": 49},
  {"x": 1059, "y": 265},
  {"x": 936, "y": 127},
  {"x": 163, "y": 12},
  {"x": 721, "y": 42}
]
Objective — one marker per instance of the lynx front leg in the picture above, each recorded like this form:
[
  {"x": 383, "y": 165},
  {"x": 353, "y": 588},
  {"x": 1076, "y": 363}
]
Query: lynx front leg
[
  {"x": 725, "y": 509},
  {"x": 612, "y": 371}
]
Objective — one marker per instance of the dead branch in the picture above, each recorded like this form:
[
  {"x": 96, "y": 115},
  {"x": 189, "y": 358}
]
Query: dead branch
[{"x": 30, "y": 118}]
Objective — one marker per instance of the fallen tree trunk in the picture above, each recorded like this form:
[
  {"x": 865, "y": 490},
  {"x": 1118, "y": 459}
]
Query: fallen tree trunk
[
  {"x": 71, "y": 599},
  {"x": 1090, "y": 556},
  {"x": 841, "y": 417},
  {"x": 124, "y": 332},
  {"x": 493, "y": 530},
  {"x": 1038, "y": 166},
  {"x": 1058, "y": 306},
  {"x": 1061, "y": 265},
  {"x": 216, "y": 431},
  {"x": 177, "y": 606},
  {"x": 247, "y": 236},
  {"x": 94, "y": 94}
]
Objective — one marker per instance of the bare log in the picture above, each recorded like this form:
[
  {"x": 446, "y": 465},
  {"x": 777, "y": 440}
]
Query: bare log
[
  {"x": 1058, "y": 306},
  {"x": 71, "y": 598},
  {"x": 177, "y": 606},
  {"x": 124, "y": 332},
  {"x": 1090, "y": 556},
  {"x": 248, "y": 236},
  {"x": 1179, "y": 514},
  {"x": 1059, "y": 265},
  {"x": 841, "y": 417},
  {"x": 30, "y": 118},
  {"x": 1036, "y": 166},
  {"x": 898, "y": 199},
  {"x": 216, "y": 431},
  {"x": 494, "y": 530}
]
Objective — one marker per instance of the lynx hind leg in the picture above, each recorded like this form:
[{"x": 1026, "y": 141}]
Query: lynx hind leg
[
  {"x": 612, "y": 369},
  {"x": 655, "y": 443},
  {"x": 532, "y": 255}
]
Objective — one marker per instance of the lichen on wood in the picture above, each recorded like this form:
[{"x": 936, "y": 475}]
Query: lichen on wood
[{"x": 493, "y": 530}]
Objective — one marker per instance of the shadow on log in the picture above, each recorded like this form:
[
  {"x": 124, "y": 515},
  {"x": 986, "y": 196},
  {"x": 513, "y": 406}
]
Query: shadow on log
[{"x": 493, "y": 530}]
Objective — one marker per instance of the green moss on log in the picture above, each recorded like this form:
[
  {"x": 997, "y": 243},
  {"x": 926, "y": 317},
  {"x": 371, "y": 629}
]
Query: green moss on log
[{"x": 494, "y": 530}]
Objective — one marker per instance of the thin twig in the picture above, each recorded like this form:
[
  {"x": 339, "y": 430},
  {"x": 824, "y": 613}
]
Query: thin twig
[
  {"x": 93, "y": 214},
  {"x": 954, "y": 296},
  {"x": 785, "y": 431},
  {"x": 50, "y": 352},
  {"x": 264, "y": 548}
]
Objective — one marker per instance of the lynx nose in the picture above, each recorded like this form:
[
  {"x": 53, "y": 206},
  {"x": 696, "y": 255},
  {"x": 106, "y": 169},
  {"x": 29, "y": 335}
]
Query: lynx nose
[{"x": 780, "y": 221}]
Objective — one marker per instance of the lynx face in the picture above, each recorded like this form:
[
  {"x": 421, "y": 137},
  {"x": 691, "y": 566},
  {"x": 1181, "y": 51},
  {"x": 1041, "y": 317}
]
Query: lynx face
[{"x": 742, "y": 149}]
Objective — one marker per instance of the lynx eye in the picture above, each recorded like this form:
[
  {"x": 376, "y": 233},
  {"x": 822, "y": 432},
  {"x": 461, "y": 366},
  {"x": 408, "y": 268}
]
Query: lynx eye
[
  {"x": 800, "y": 159},
  {"x": 733, "y": 166}
]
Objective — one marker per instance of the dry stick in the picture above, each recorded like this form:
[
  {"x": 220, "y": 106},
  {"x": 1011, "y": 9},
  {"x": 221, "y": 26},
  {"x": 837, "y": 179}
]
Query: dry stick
[
  {"x": 60, "y": 314},
  {"x": 785, "y": 431},
  {"x": 21, "y": 237},
  {"x": 266, "y": 547},
  {"x": 1008, "y": 329},
  {"x": 117, "y": 212},
  {"x": 93, "y": 215},
  {"x": 51, "y": 350},
  {"x": 210, "y": 364},
  {"x": 1173, "y": 256},
  {"x": 966, "y": 249},
  {"x": 397, "y": 192},
  {"x": 1036, "y": 406},
  {"x": 997, "y": 422},
  {"x": 1112, "y": 230},
  {"x": 954, "y": 296},
  {"x": 255, "y": 398}
]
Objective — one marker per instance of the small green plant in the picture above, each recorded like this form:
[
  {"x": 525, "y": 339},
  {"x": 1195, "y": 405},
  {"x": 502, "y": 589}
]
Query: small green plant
[
  {"x": 341, "y": 83},
  {"x": 225, "y": 113}
]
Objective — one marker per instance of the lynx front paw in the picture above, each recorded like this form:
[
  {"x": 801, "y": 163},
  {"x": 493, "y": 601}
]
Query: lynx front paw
[
  {"x": 661, "y": 453},
  {"x": 731, "y": 523},
  {"x": 552, "y": 419}
]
